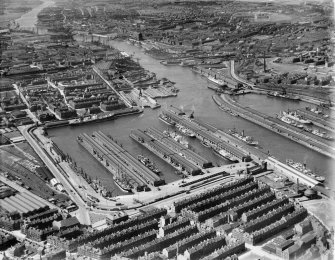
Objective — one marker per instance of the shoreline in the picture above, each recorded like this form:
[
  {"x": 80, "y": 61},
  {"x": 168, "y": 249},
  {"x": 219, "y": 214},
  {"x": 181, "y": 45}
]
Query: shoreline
[{"x": 7, "y": 17}]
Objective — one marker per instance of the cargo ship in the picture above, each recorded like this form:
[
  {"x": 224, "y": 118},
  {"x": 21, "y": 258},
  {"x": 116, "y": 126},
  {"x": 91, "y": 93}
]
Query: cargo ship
[
  {"x": 226, "y": 155},
  {"x": 291, "y": 122},
  {"x": 303, "y": 169},
  {"x": 170, "y": 62},
  {"x": 147, "y": 163},
  {"x": 245, "y": 138},
  {"x": 296, "y": 117},
  {"x": 166, "y": 120},
  {"x": 92, "y": 119},
  {"x": 216, "y": 81},
  {"x": 285, "y": 96},
  {"x": 122, "y": 185}
]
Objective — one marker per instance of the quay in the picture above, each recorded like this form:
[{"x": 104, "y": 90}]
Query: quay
[
  {"x": 220, "y": 137},
  {"x": 204, "y": 134},
  {"x": 318, "y": 120},
  {"x": 179, "y": 148},
  {"x": 167, "y": 154},
  {"x": 307, "y": 139},
  {"x": 118, "y": 161}
]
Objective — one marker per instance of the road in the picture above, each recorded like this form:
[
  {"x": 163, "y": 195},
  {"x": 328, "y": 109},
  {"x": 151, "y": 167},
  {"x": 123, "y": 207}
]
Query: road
[
  {"x": 83, "y": 216},
  {"x": 232, "y": 73},
  {"x": 124, "y": 99}
]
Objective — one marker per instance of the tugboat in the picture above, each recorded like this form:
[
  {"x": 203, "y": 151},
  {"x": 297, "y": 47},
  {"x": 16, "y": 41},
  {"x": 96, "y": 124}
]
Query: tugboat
[
  {"x": 303, "y": 169},
  {"x": 245, "y": 138},
  {"x": 147, "y": 163}
]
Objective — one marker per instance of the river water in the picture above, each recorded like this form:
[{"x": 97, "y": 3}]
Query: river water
[
  {"x": 29, "y": 19},
  {"x": 193, "y": 96}
]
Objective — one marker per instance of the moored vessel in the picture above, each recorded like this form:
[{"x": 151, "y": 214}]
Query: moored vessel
[
  {"x": 245, "y": 138},
  {"x": 301, "y": 167},
  {"x": 147, "y": 163},
  {"x": 166, "y": 120}
]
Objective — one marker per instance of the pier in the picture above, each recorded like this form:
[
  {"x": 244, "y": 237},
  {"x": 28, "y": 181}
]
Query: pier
[
  {"x": 274, "y": 124},
  {"x": 162, "y": 150},
  {"x": 118, "y": 161},
  {"x": 318, "y": 120},
  {"x": 204, "y": 133},
  {"x": 179, "y": 148}
]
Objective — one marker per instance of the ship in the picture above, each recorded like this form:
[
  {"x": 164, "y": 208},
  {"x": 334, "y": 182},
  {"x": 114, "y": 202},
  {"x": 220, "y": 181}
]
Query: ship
[
  {"x": 324, "y": 135},
  {"x": 166, "y": 120},
  {"x": 216, "y": 81},
  {"x": 225, "y": 155},
  {"x": 285, "y": 96},
  {"x": 170, "y": 62},
  {"x": 296, "y": 117},
  {"x": 176, "y": 137},
  {"x": 185, "y": 131},
  {"x": 92, "y": 119},
  {"x": 245, "y": 138},
  {"x": 147, "y": 163},
  {"x": 303, "y": 169},
  {"x": 122, "y": 185},
  {"x": 285, "y": 120}
]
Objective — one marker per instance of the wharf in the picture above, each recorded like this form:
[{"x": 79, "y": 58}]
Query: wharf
[
  {"x": 307, "y": 139},
  {"x": 118, "y": 161},
  {"x": 204, "y": 133},
  {"x": 179, "y": 148},
  {"x": 318, "y": 120},
  {"x": 162, "y": 150}
]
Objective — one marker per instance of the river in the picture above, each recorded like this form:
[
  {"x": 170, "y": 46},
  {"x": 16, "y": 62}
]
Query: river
[
  {"x": 193, "y": 96},
  {"x": 29, "y": 19}
]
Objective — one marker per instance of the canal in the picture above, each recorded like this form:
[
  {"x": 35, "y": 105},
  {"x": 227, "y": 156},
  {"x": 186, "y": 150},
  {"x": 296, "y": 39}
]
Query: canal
[{"x": 193, "y": 96}]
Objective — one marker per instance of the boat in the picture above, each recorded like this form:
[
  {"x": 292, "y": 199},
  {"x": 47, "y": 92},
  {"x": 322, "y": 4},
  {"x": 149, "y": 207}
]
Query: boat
[
  {"x": 245, "y": 138},
  {"x": 147, "y": 163},
  {"x": 176, "y": 137},
  {"x": 296, "y": 117},
  {"x": 122, "y": 185},
  {"x": 216, "y": 81},
  {"x": 185, "y": 131},
  {"x": 286, "y": 96},
  {"x": 226, "y": 155},
  {"x": 166, "y": 120},
  {"x": 303, "y": 169},
  {"x": 324, "y": 135},
  {"x": 170, "y": 62},
  {"x": 204, "y": 143},
  {"x": 92, "y": 119},
  {"x": 286, "y": 120}
]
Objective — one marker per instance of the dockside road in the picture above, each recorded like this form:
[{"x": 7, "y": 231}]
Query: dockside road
[
  {"x": 60, "y": 175},
  {"x": 307, "y": 139}
]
